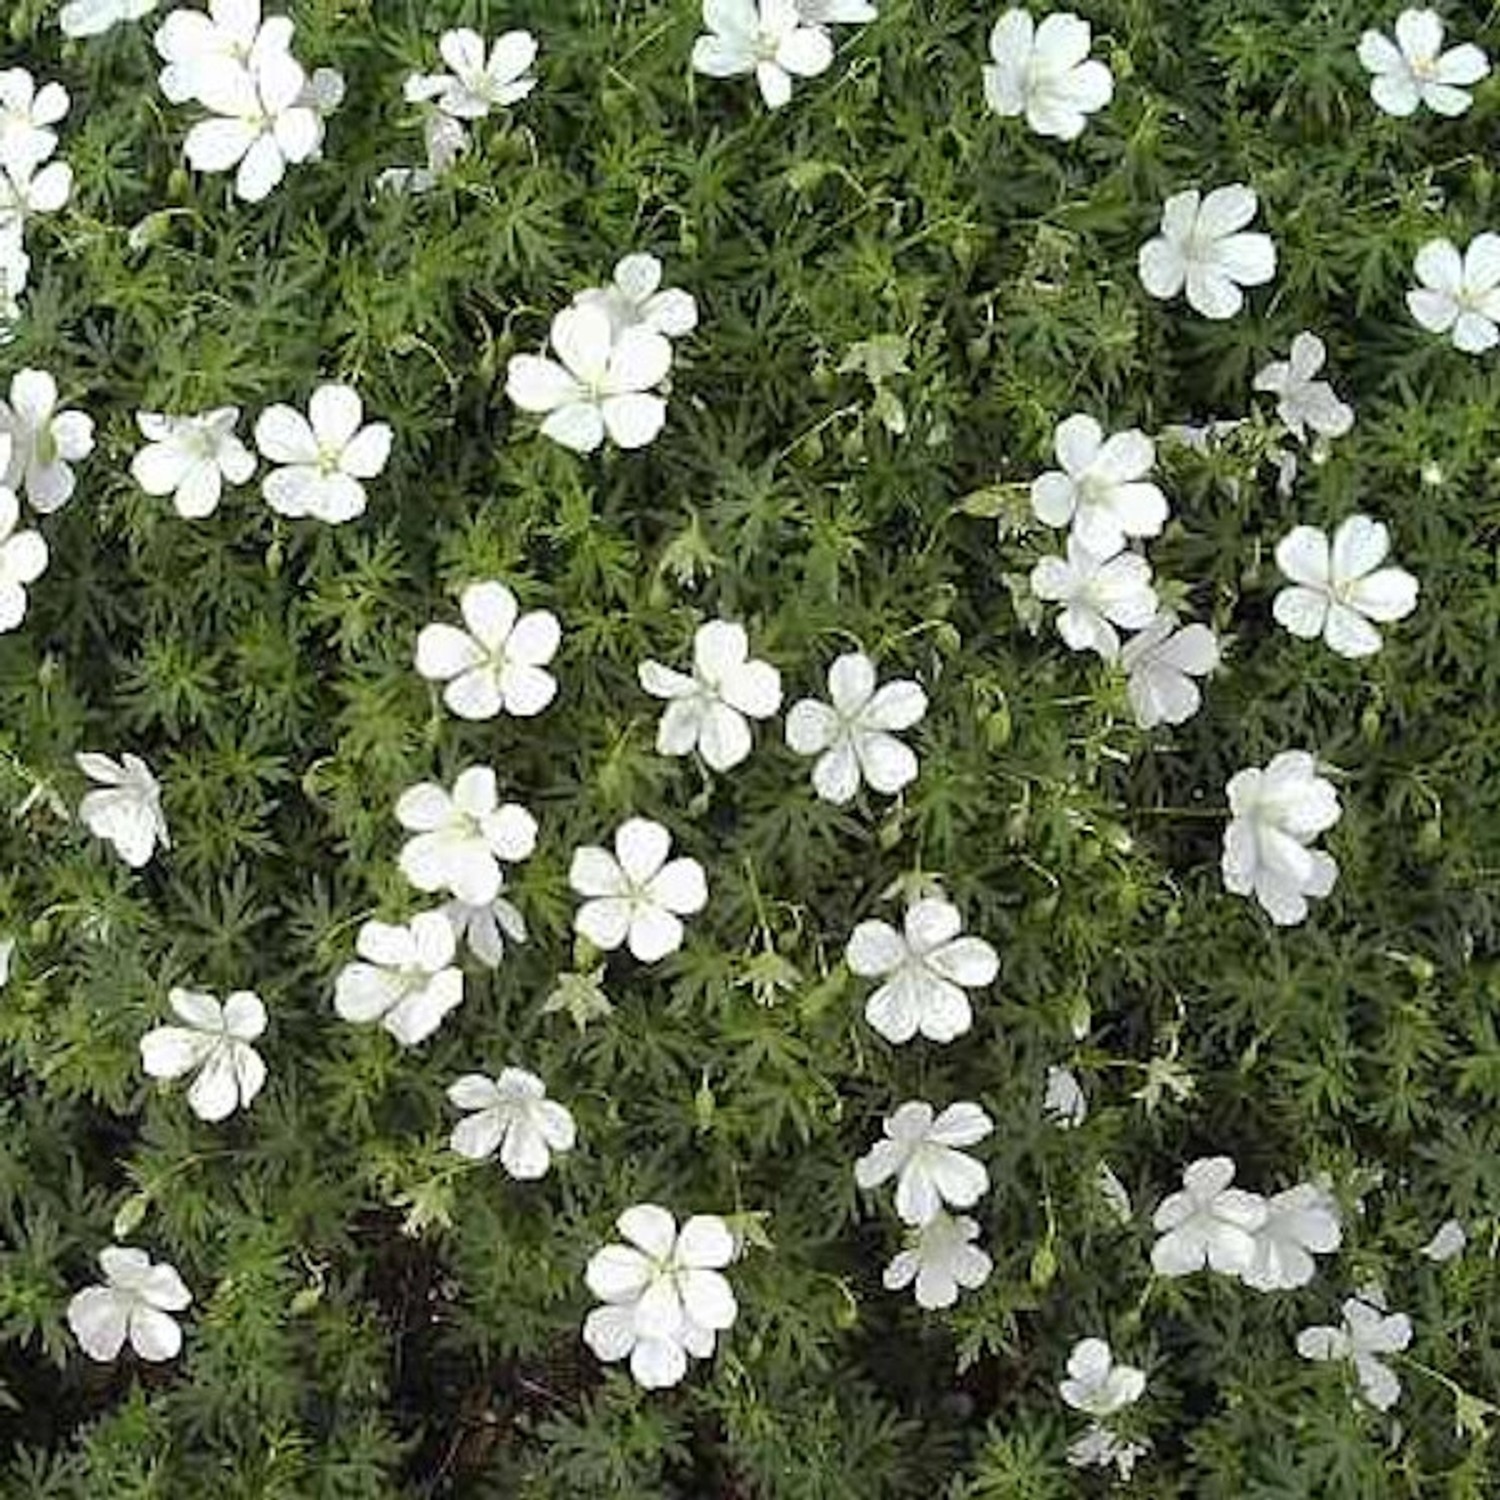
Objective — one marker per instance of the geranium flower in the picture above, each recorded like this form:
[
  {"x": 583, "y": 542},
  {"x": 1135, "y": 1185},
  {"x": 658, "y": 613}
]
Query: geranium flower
[
  {"x": 484, "y": 927},
  {"x": 407, "y": 981},
  {"x": 1101, "y": 489},
  {"x": 478, "y": 81},
  {"x": 27, "y": 114},
  {"x": 325, "y": 455},
  {"x": 136, "y": 1302},
  {"x": 126, "y": 810},
  {"x": 854, "y": 736},
  {"x": 1203, "y": 247},
  {"x": 23, "y": 555},
  {"x": 45, "y": 442},
  {"x": 1459, "y": 294},
  {"x": 191, "y": 458},
  {"x": 1208, "y": 1223},
  {"x": 1063, "y": 1099},
  {"x": 83, "y": 18},
  {"x": 1275, "y": 814},
  {"x": 637, "y": 895},
  {"x": 1099, "y": 1448},
  {"x": 1414, "y": 70},
  {"x": 215, "y": 1041},
  {"x": 462, "y": 836},
  {"x": 940, "y": 1257},
  {"x": 1303, "y": 402},
  {"x": 1338, "y": 590},
  {"x": 1096, "y": 1385},
  {"x": 1044, "y": 72},
  {"x": 924, "y": 1153},
  {"x": 1300, "y": 1223},
  {"x": 635, "y": 299},
  {"x": 1446, "y": 1243},
  {"x": 929, "y": 967},
  {"x": 195, "y": 45},
  {"x": 769, "y": 38},
  {"x": 707, "y": 712},
  {"x": 512, "y": 1115},
  {"x": 496, "y": 664},
  {"x": 1097, "y": 594},
  {"x": 1366, "y": 1333},
  {"x": 1162, "y": 662}
]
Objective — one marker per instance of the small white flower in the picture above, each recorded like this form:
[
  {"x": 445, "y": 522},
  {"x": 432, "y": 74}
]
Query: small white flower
[
  {"x": 854, "y": 736},
  {"x": 1063, "y": 1099},
  {"x": 1300, "y": 1223},
  {"x": 769, "y": 38},
  {"x": 707, "y": 712},
  {"x": 1097, "y": 594},
  {"x": 1203, "y": 247},
  {"x": 195, "y": 46},
  {"x": 1459, "y": 294},
  {"x": 1338, "y": 590},
  {"x": 45, "y": 442},
  {"x": 1366, "y": 1333},
  {"x": 637, "y": 895},
  {"x": 407, "y": 982},
  {"x": 941, "y": 1258},
  {"x": 136, "y": 1303},
  {"x": 484, "y": 927},
  {"x": 635, "y": 299},
  {"x": 1414, "y": 70},
  {"x": 929, "y": 966},
  {"x": 1447, "y": 1244},
  {"x": 27, "y": 190},
  {"x": 496, "y": 664},
  {"x": 191, "y": 458},
  {"x": 23, "y": 556},
  {"x": 1162, "y": 661},
  {"x": 510, "y": 1114},
  {"x": 82, "y": 18},
  {"x": 1099, "y": 1448},
  {"x": 126, "y": 809},
  {"x": 477, "y": 81},
  {"x": 1208, "y": 1223},
  {"x": 1275, "y": 814},
  {"x": 215, "y": 1041},
  {"x": 1096, "y": 1385},
  {"x": 924, "y": 1153},
  {"x": 1044, "y": 72},
  {"x": 1302, "y": 401},
  {"x": 1101, "y": 489},
  {"x": 27, "y": 114},
  {"x": 325, "y": 456},
  {"x": 461, "y": 837}
]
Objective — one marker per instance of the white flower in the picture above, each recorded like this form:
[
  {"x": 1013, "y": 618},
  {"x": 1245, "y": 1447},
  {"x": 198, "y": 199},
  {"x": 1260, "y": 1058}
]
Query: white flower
[
  {"x": 325, "y": 455},
  {"x": 191, "y": 458},
  {"x": 216, "y": 1043},
  {"x": 1044, "y": 72},
  {"x": 636, "y": 895},
  {"x": 1445, "y": 1245},
  {"x": 1414, "y": 70},
  {"x": 1275, "y": 814},
  {"x": 924, "y": 1153},
  {"x": 1459, "y": 294},
  {"x": 1208, "y": 1223},
  {"x": 407, "y": 982},
  {"x": 707, "y": 712},
  {"x": 27, "y": 114},
  {"x": 484, "y": 926},
  {"x": 1101, "y": 489},
  {"x": 598, "y": 384},
  {"x": 929, "y": 967},
  {"x": 1095, "y": 1384},
  {"x": 1063, "y": 1099},
  {"x": 635, "y": 299},
  {"x": 126, "y": 810},
  {"x": 496, "y": 664},
  {"x": 1303, "y": 402},
  {"x": 81, "y": 18},
  {"x": 45, "y": 441},
  {"x": 837, "y": 12},
  {"x": 23, "y": 556},
  {"x": 26, "y": 190},
  {"x": 195, "y": 46},
  {"x": 1300, "y": 1223},
  {"x": 663, "y": 1291},
  {"x": 462, "y": 836},
  {"x": 1202, "y": 246},
  {"x": 1097, "y": 594},
  {"x": 15, "y": 268},
  {"x": 478, "y": 82},
  {"x": 769, "y": 38},
  {"x": 1162, "y": 662},
  {"x": 1366, "y": 1332},
  {"x": 513, "y": 1115},
  {"x": 854, "y": 736},
  {"x": 1338, "y": 590},
  {"x": 136, "y": 1302},
  {"x": 941, "y": 1257},
  {"x": 1098, "y": 1448}
]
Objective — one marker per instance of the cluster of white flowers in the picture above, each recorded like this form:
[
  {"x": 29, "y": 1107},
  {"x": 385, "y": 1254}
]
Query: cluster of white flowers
[{"x": 31, "y": 182}]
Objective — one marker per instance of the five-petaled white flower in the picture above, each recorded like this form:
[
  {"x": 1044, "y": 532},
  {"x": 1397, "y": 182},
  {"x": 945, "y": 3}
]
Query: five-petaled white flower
[
  {"x": 1063, "y": 1099},
  {"x": 1102, "y": 489},
  {"x": 1338, "y": 590},
  {"x": 462, "y": 836},
  {"x": 1275, "y": 814},
  {"x": 1095, "y": 1384},
  {"x": 215, "y": 1040},
  {"x": 637, "y": 895},
  {"x": 1044, "y": 71},
  {"x": 854, "y": 735},
  {"x": 125, "y": 809},
  {"x": 484, "y": 926},
  {"x": 191, "y": 458},
  {"x": 1300, "y": 1223},
  {"x": 407, "y": 980},
  {"x": 635, "y": 298},
  {"x": 1097, "y": 594},
  {"x": 83, "y": 18},
  {"x": 497, "y": 664},
  {"x": 136, "y": 1302},
  {"x": 707, "y": 712},
  {"x": 23, "y": 554},
  {"x": 27, "y": 114},
  {"x": 664, "y": 1293},
  {"x": 1208, "y": 1223},
  {"x": 1203, "y": 246},
  {"x": 478, "y": 81},
  {"x": 769, "y": 38},
  {"x": 1366, "y": 1332},
  {"x": 195, "y": 45},
  {"x": 598, "y": 383},
  {"x": 924, "y": 1153},
  {"x": 45, "y": 442},
  {"x": 1414, "y": 70},
  {"x": 941, "y": 1258},
  {"x": 510, "y": 1114},
  {"x": 1302, "y": 401},
  {"x": 325, "y": 455},
  {"x": 1162, "y": 661},
  {"x": 926, "y": 969},
  {"x": 1459, "y": 294}
]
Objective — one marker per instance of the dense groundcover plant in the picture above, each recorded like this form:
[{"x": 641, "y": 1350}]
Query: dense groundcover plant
[{"x": 358, "y": 1142}]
